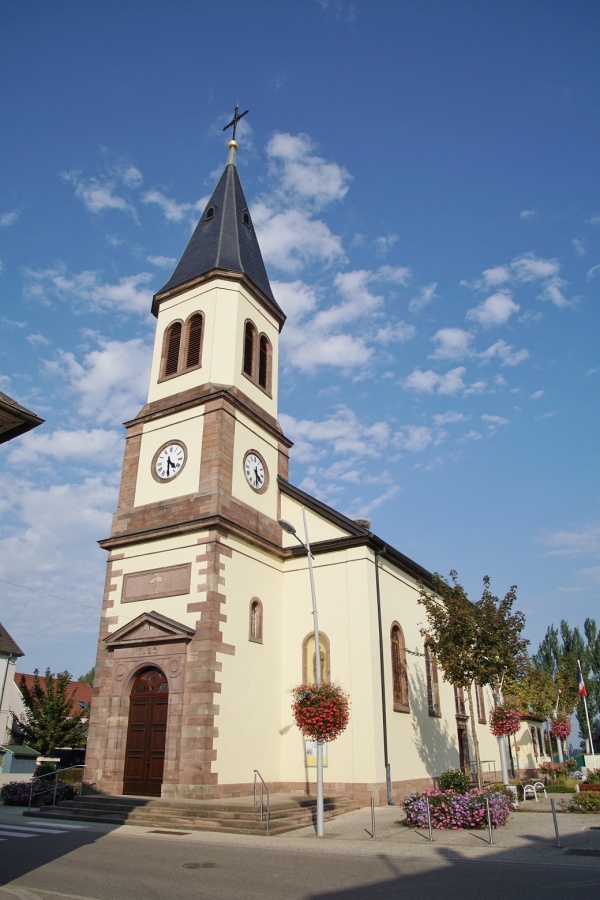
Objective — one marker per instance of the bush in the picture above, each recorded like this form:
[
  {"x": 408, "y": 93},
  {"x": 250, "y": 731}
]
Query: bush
[
  {"x": 17, "y": 793},
  {"x": 586, "y": 802},
  {"x": 454, "y": 780},
  {"x": 562, "y": 785},
  {"x": 456, "y": 811},
  {"x": 45, "y": 768},
  {"x": 593, "y": 776}
]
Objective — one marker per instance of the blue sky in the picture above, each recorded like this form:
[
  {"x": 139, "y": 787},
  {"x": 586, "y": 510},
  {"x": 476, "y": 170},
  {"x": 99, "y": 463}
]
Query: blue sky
[{"x": 424, "y": 181}]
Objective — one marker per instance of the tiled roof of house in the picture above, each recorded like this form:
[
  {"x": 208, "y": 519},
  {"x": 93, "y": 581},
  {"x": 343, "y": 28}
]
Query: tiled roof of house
[
  {"x": 7, "y": 645},
  {"x": 79, "y": 691},
  {"x": 15, "y": 419}
]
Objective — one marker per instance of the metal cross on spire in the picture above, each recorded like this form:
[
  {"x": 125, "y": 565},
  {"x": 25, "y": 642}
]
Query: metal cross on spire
[{"x": 235, "y": 120}]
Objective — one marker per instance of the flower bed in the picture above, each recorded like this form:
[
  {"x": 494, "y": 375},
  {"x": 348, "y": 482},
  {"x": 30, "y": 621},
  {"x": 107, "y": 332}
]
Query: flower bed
[{"x": 456, "y": 811}]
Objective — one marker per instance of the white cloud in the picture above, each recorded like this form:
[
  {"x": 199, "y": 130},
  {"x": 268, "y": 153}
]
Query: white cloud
[
  {"x": 430, "y": 382},
  {"x": 537, "y": 395},
  {"x": 8, "y": 218},
  {"x": 394, "y": 274},
  {"x": 162, "y": 262},
  {"x": 173, "y": 211},
  {"x": 383, "y": 245},
  {"x": 526, "y": 214},
  {"x": 505, "y": 353},
  {"x": 342, "y": 432},
  {"x": 579, "y": 247},
  {"x": 495, "y": 310},
  {"x": 296, "y": 298},
  {"x": 291, "y": 239},
  {"x": 300, "y": 172},
  {"x": 495, "y": 276},
  {"x": 128, "y": 295},
  {"x": 97, "y": 195},
  {"x": 529, "y": 267},
  {"x": 415, "y": 438},
  {"x": 66, "y": 447},
  {"x": 397, "y": 333},
  {"x": 584, "y": 541},
  {"x": 423, "y": 298},
  {"x": 591, "y": 273},
  {"x": 111, "y": 382},
  {"x": 449, "y": 418},
  {"x": 452, "y": 343}
]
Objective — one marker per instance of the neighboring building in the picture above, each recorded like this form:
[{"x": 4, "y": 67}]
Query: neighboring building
[
  {"x": 15, "y": 419},
  {"x": 206, "y": 622},
  {"x": 10, "y": 697}
]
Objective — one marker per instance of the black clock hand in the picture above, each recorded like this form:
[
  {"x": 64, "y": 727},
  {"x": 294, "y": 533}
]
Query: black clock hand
[{"x": 170, "y": 465}]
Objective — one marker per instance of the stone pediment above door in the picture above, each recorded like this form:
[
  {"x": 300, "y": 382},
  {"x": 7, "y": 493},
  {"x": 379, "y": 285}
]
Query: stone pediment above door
[{"x": 149, "y": 628}]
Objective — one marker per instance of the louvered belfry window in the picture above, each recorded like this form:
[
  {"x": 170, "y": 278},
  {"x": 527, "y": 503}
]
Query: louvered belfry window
[
  {"x": 264, "y": 362},
  {"x": 249, "y": 342},
  {"x": 194, "y": 341},
  {"x": 399, "y": 673},
  {"x": 172, "y": 349}
]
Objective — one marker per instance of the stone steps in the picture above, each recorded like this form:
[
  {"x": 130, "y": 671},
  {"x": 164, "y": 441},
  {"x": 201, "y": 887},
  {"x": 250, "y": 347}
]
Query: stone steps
[{"x": 235, "y": 815}]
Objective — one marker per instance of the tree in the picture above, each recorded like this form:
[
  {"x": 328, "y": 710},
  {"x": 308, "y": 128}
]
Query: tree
[
  {"x": 534, "y": 689},
  {"x": 558, "y": 654},
  {"x": 474, "y": 643},
  {"x": 88, "y": 678},
  {"x": 49, "y": 721}
]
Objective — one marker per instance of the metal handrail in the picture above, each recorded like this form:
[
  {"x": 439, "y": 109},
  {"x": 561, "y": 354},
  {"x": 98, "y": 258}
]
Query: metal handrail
[
  {"x": 263, "y": 788},
  {"x": 55, "y": 786}
]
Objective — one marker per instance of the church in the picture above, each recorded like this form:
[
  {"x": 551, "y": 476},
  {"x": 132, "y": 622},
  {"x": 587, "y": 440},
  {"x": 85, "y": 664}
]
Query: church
[{"x": 207, "y": 620}]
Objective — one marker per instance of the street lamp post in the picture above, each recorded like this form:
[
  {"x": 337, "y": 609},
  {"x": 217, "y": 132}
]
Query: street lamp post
[{"x": 289, "y": 528}]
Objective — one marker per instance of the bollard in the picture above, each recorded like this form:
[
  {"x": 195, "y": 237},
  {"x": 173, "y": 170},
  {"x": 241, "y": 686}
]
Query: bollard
[
  {"x": 489, "y": 818},
  {"x": 372, "y": 817},
  {"x": 428, "y": 818},
  {"x": 555, "y": 822}
]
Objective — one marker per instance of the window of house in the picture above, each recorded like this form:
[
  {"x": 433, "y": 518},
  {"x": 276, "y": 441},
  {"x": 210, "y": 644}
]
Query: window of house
[
  {"x": 459, "y": 701},
  {"x": 249, "y": 345},
  {"x": 399, "y": 672},
  {"x": 264, "y": 363},
  {"x": 433, "y": 689},
  {"x": 309, "y": 662},
  {"x": 256, "y": 620},
  {"x": 480, "y": 703}
]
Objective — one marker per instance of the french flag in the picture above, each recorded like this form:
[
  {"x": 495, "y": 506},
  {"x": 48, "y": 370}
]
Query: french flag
[{"x": 582, "y": 687}]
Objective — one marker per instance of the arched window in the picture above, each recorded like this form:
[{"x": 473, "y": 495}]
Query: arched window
[
  {"x": 264, "y": 363},
  {"x": 171, "y": 349},
  {"x": 309, "y": 662},
  {"x": 480, "y": 704},
  {"x": 433, "y": 689},
  {"x": 256, "y": 621},
  {"x": 249, "y": 346},
  {"x": 194, "y": 341},
  {"x": 399, "y": 673}
]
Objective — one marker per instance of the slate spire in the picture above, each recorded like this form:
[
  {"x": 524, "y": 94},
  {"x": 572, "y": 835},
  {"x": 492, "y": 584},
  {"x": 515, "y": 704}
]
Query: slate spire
[{"x": 224, "y": 238}]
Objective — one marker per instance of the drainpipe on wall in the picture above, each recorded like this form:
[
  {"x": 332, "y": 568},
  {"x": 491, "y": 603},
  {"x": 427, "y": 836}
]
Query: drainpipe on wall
[{"x": 388, "y": 775}]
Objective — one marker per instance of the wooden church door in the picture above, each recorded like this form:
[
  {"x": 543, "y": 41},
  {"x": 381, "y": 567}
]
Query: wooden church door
[{"x": 146, "y": 734}]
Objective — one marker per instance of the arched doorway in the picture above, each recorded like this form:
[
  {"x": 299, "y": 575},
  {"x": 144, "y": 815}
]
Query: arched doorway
[{"x": 146, "y": 733}]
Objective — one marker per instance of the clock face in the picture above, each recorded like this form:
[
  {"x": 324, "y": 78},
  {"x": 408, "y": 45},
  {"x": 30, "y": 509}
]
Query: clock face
[
  {"x": 170, "y": 461},
  {"x": 255, "y": 471}
]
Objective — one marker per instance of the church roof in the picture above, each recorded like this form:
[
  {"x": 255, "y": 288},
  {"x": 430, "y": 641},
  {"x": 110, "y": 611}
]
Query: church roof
[
  {"x": 15, "y": 419},
  {"x": 224, "y": 239}
]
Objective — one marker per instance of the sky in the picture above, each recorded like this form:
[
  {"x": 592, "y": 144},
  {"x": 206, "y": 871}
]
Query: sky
[{"x": 423, "y": 179}]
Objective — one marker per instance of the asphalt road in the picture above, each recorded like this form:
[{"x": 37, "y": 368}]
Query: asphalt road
[{"x": 86, "y": 863}]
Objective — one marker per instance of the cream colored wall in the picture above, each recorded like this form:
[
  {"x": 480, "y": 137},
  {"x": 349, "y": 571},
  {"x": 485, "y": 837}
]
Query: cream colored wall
[
  {"x": 249, "y": 437},
  {"x": 12, "y": 701},
  {"x": 226, "y": 306},
  {"x": 183, "y": 426},
  {"x": 319, "y": 529},
  {"x": 250, "y": 724},
  {"x": 153, "y": 555}
]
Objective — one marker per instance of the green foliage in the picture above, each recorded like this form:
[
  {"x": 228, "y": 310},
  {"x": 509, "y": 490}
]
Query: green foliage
[
  {"x": 532, "y": 689},
  {"x": 561, "y": 785},
  {"x": 88, "y": 678},
  {"x": 48, "y": 722},
  {"x": 593, "y": 776},
  {"x": 454, "y": 780},
  {"x": 45, "y": 768},
  {"x": 17, "y": 793},
  {"x": 587, "y": 802}
]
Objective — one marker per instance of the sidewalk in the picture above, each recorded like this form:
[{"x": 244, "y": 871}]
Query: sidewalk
[{"x": 527, "y": 838}]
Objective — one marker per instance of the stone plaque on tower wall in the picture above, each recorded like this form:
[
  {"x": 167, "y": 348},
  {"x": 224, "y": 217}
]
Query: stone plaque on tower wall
[{"x": 170, "y": 581}]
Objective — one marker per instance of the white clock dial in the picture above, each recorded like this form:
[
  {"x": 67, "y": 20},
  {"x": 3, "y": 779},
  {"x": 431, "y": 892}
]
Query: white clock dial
[
  {"x": 170, "y": 461},
  {"x": 255, "y": 471}
]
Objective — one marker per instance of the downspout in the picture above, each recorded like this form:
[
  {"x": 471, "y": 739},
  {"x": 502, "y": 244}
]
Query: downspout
[{"x": 386, "y": 759}]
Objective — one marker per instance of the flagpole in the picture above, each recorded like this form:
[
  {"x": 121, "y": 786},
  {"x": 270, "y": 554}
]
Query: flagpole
[{"x": 587, "y": 715}]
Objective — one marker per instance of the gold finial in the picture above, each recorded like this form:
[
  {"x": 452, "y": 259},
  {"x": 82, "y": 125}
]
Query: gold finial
[{"x": 232, "y": 145}]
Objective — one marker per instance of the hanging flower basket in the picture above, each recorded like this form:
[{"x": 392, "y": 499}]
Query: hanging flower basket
[
  {"x": 321, "y": 713},
  {"x": 504, "y": 721},
  {"x": 560, "y": 727}
]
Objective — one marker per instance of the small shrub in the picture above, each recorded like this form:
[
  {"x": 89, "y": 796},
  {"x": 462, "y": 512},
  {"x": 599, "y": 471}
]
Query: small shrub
[
  {"x": 593, "y": 776},
  {"x": 45, "y": 768},
  {"x": 562, "y": 785},
  {"x": 587, "y": 802},
  {"x": 17, "y": 793},
  {"x": 454, "y": 780}
]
